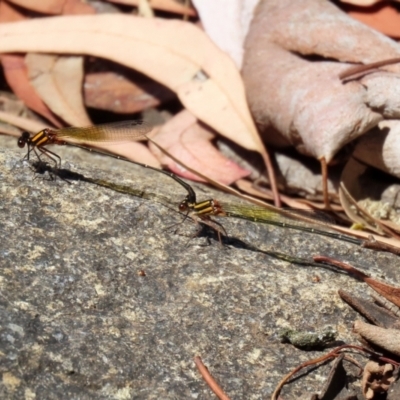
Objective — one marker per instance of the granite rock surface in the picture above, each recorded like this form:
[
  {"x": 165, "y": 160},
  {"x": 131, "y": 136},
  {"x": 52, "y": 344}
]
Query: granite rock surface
[{"x": 101, "y": 299}]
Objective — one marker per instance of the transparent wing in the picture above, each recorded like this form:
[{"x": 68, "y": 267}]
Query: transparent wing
[
  {"x": 309, "y": 221},
  {"x": 288, "y": 215},
  {"x": 112, "y": 132}
]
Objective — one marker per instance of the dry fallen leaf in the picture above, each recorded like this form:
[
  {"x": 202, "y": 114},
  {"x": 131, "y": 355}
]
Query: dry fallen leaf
[
  {"x": 383, "y": 17},
  {"x": 119, "y": 93},
  {"x": 304, "y": 100},
  {"x": 227, "y": 23},
  {"x": 58, "y": 81},
  {"x": 27, "y": 124},
  {"x": 175, "y": 53},
  {"x": 363, "y": 3},
  {"x": 55, "y": 6},
  {"x": 10, "y": 103},
  {"x": 388, "y": 339},
  {"x": 376, "y": 379},
  {"x": 186, "y": 139},
  {"x": 16, "y": 73},
  {"x": 380, "y": 148},
  {"x": 379, "y": 315}
]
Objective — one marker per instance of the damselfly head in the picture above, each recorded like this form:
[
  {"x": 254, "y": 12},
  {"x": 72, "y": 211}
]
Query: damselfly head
[
  {"x": 23, "y": 139},
  {"x": 184, "y": 205}
]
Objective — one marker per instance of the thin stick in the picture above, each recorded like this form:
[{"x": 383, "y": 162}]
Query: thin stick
[
  {"x": 220, "y": 185},
  {"x": 271, "y": 177},
  {"x": 358, "y": 69},
  {"x": 209, "y": 379},
  {"x": 325, "y": 190},
  {"x": 340, "y": 264},
  {"x": 355, "y": 362},
  {"x": 235, "y": 192},
  {"x": 332, "y": 354},
  {"x": 373, "y": 244},
  {"x": 367, "y": 216},
  {"x": 297, "y": 369}
]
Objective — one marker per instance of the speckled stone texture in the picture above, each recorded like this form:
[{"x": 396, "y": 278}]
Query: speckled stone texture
[{"x": 79, "y": 321}]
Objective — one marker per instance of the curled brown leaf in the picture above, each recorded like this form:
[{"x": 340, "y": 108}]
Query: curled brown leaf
[
  {"x": 377, "y": 378},
  {"x": 294, "y": 96},
  {"x": 387, "y": 339},
  {"x": 204, "y": 78},
  {"x": 183, "y": 137}
]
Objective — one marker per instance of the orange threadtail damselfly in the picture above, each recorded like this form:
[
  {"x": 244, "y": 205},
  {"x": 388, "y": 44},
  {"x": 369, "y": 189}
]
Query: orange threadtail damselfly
[
  {"x": 112, "y": 132},
  {"x": 205, "y": 209}
]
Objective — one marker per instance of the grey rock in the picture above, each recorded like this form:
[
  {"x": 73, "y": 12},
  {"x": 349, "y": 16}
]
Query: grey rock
[{"x": 80, "y": 321}]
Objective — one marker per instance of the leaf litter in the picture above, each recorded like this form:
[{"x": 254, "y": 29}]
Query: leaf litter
[{"x": 291, "y": 81}]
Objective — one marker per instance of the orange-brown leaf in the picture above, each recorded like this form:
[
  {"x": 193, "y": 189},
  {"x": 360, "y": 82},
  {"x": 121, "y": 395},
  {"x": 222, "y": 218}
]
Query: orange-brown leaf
[
  {"x": 187, "y": 140},
  {"x": 391, "y": 293},
  {"x": 58, "y": 81},
  {"x": 120, "y": 93},
  {"x": 16, "y": 75},
  {"x": 175, "y": 53},
  {"x": 383, "y": 17},
  {"x": 56, "y": 6}
]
